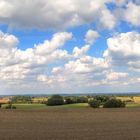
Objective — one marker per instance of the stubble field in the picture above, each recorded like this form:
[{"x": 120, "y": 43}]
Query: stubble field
[{"x": 70, "y": 124}]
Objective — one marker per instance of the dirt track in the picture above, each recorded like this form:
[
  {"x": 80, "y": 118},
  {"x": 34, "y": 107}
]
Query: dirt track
[{"x": 70, "y": 124}]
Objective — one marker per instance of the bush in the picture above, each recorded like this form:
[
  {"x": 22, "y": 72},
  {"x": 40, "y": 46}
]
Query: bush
[
  {"x": 10, "y": 106},
  {"x": 55, "y": 100},
  {"x": 103, "y": 99},
  {"x": 13, "y": 107},
  {"x": 21, "y": 99},
  {"x": 69, "y": 100},
  {"x": 114, "y": 103},
  {"x": 76, "y": 99},
  {"x": 0, "y": 105},
  {"x": 129, "y": 101},
  {"x": 82, "y": 99},
  {"x": 94, "y": 103}
]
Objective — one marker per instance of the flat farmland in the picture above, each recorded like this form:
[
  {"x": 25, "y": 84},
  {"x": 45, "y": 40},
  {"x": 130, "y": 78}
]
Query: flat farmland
[{"x": 70, "y": 124}]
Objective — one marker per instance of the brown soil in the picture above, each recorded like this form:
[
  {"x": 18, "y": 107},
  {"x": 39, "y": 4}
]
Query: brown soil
[{"x": 70, "y": 124}]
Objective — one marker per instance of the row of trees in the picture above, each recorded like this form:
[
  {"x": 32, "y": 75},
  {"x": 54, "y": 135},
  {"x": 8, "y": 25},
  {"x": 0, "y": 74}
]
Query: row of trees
[
  {"x": 59, "y": 100},
  {"x": 8, "y": 106},
  {"x": 95, "y": 102},
  {"x": 110, "y": 103},
  {"x": 21, "y": 99}
]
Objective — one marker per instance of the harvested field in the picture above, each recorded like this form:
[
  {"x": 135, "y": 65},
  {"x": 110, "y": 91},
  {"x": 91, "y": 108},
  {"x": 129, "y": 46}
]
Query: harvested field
[{"x": 70, "y": 124}]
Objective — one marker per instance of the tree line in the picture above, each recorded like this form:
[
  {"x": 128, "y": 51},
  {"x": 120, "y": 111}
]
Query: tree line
[{"x": 55, "y": 100}]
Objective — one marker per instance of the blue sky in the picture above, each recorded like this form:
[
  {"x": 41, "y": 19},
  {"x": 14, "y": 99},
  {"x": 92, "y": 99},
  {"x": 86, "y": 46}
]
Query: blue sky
[{"x": 51, "y": 47}]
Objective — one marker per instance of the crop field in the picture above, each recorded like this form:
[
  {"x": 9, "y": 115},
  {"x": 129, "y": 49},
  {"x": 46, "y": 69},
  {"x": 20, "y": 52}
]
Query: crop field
[
  {"x": 39, "y": 99},
  {"x": 70, "y": 124}
]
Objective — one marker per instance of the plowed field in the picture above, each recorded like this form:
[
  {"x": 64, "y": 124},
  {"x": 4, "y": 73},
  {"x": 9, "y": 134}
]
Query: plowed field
[{"x": 70, "y": 124}]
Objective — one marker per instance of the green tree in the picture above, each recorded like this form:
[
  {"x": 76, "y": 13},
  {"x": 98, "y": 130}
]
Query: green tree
[
  {"x": 81, "y": 99},
  {"x": 21, "y": 99},
  {"x": 55, "y": 100},
  {"x": 10, "y": 106},
  {"x": 114, "y": 103},
  {"x": 69, "y": 100},
  {"x": 94, "y": 103},
  {"x": 103, "y": 99}
]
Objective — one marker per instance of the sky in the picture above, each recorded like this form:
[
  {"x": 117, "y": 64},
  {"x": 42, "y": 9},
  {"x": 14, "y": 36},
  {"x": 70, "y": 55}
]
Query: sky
[{"x": 71, "y": 46}]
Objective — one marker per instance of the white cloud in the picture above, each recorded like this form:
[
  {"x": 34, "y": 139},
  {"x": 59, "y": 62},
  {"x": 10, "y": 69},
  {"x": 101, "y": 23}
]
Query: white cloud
[
  {"x": 131, "y": 14},
  {"x": 80, "y": 66},
  {"x": 111, "y": 76},
  {"x": 48, "y": 14},
  {"x": 19, "y": 64},
  {"x": 120, "y": 2},
  {"x": 123, "y": 49},
  {"x": 8, "y": 48},
  {"x": 128, "y": 12},
  {"x": 78, "y": 52},
  {"x": 80, "y": 72},
  {"x": 16, "y": 72},
  {"x": 51, "y": 67},
  {"x": 107, "y": 19},
  {"x": 91, "y": 36},
  {"x": 57, "y": 41}
]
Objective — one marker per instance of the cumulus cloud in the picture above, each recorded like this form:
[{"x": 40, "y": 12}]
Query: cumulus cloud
[
  {"x": 123, "y": 49},
  {"x": 8, "y": 49},
  {"x": 57, "y": 41},
  {"x": 91, "y": 36},
  {"x": 18, "y": 64},
  {"x": 131, "y": 14},
  {"x": 121, "y": 2},
  {"x": 111, "y": 76},
  {"x": 53, "y": 68},
  {"x": 47, "y": 14},
  {"x": 80, "y": 72},
  {"x": 78, "y": 52},
  {"x": 128, "y": 11},
  {"x": 80, "y": 66},
  {"x": 85, "y": 72},
  {"x": 107, "y": 19}
]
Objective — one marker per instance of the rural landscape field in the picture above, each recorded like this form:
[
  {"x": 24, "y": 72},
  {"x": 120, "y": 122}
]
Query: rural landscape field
[
  {"x": 35, "y": 120},
  {"x": 69, "y": 69}
]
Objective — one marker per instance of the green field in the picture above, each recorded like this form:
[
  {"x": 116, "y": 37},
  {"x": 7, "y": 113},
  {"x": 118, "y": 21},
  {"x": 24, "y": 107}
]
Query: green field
[
  {"x": 132, "y": 105},
  {"x": 133, "y": 101},
  {"x": 37, "y": 103},
  {"x": 78, "y": 105},
  {"x": 43, "y": 106}
]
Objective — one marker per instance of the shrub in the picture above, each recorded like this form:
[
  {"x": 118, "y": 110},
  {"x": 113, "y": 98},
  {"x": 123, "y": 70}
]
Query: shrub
[
  {"x": 10, "y": 106},
  {"x": 82, "y": 99},
  {"x": 103, "y": 99},
  {"x": 76, "y": 99},
  {"x": 129, "y": 101},
  {"x": 114, "y": 103},
  {"x": 13, "y": 107},
  {"x": 69, "y": 100},
  {"x": 21, "y": 99},
  {"x": 55, "y": 100},
  {"x": 0, "y": 105},
  {"x": 94, "y": 103}
]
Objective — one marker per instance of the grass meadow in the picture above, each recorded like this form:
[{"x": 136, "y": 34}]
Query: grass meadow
[{"x": 131, "y": 102}]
